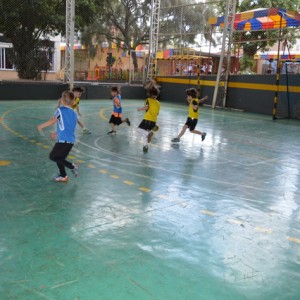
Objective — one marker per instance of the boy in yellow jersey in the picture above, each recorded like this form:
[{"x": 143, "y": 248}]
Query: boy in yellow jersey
[
  {"x": 77, "y": 91},
  {"x": 191, "y": 122},
  {"x": 148, "y": 125}
]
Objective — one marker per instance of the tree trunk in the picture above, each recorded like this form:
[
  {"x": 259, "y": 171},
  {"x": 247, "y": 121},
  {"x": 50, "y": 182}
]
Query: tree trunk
[{"x": 134, "y": 60}]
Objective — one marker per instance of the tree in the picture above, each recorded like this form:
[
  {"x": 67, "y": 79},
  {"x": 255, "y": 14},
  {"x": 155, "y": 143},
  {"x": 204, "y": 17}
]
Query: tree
[
  {"x": 182, "y": 20},
  {"x": 26, "y": 23},
  {"x": 126, "y": 23},
  {"x": 123, "y": 22}
]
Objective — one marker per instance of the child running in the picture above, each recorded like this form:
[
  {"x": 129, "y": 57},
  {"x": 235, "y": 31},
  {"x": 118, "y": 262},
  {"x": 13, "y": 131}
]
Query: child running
[
  {"x": 77, "y": 91},
  {"x": 148, "y": 125},
  {"x": 191, "y": 122},
  {"x": 116, "y": 115},
  {"x": 66, "y": 120}
]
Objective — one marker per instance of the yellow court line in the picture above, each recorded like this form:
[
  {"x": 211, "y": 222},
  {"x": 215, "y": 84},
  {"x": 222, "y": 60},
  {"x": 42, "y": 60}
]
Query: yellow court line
[
  {"x": 235, "y": 222},
  {"x": 4, "y": 162},
  {"x": 102, "y": 115},
  {"x": 207, "y": 212},
  {"x": 144, "y": 189},
  {"x": 292, "y": 239},
  {"x": 128, "y": 182},
  {"x": 264, "y": 230},
  {"x": 91, "y": 166}
]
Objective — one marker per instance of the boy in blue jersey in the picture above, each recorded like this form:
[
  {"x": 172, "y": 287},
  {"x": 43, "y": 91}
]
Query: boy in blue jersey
[
  {"x": 116, "y": 116},
  {"x": 66, "y": 120}
]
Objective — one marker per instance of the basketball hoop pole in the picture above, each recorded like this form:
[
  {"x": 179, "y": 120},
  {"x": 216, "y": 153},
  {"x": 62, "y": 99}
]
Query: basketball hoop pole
[
  {"x": 277, "y": 70},
  {"x": 69, "y": 52}
]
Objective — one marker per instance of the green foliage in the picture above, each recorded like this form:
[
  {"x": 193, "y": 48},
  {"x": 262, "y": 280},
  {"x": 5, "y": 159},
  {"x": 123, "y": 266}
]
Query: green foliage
[
  {"x": 25, "y": 22},
  {"x": 247, "y": 63},
  {"x": 185, "y": 18}
]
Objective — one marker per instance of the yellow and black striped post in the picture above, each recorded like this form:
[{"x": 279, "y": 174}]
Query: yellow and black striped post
[{"x": 276, "y": 91}]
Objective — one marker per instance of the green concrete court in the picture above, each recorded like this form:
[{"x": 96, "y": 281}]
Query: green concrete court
[{"x": 212, "y": 220}]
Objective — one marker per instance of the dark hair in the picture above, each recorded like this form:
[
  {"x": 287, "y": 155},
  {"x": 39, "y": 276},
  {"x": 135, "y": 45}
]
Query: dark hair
[
  {"x": 191, "y": 92},
  {"x": 115, "y": 89},
  {"x": 153, "y": 92},
  {"x": 78, "y": 89}
]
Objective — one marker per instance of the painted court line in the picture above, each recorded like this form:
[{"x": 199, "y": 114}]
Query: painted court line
[
  {"x": 91, "y": 166},
  {"x": 208, "y": 213},
  {"x": 264, "y": 230},
  {"x": 128, "y": 182},
  {"x": 292, "y": 239},
  {"x": 144, "y": 189}
]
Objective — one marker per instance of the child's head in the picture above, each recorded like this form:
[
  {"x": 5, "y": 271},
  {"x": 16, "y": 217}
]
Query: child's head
[
  {"x": 77, "y": 91},
  {"x": 153, "y": 92},
  {"x": 191, "y": 93},
  {"x": 114, "y": 91},
  {"x": 68, "y": 98}
]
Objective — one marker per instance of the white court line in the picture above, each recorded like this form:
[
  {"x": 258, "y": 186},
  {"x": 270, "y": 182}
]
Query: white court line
[{"x": 195, "y": 176}]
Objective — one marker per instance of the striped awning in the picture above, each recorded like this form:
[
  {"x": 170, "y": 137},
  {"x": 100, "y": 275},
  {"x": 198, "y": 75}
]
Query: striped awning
[
  {"x": 282, "y": 55},
  {"x": 261, "y": 19}
]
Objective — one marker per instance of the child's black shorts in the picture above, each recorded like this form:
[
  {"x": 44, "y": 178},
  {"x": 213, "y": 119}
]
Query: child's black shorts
[
  {"x": 115, "y": 120},
  {"x": 191, "y": 123},
  {"x": 147, "y": 125}
]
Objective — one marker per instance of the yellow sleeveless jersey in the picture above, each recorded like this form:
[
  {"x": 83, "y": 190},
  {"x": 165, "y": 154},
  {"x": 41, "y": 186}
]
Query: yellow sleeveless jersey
[
  {"x": 194, "y": 114},
  {"x": 153, "y": 109},
  {"x": 76, "y": 103}
]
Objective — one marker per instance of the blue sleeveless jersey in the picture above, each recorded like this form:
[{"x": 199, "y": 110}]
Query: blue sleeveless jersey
[
  {"x": 117, "y": 110},
  {"x": 66, "y": 124}
]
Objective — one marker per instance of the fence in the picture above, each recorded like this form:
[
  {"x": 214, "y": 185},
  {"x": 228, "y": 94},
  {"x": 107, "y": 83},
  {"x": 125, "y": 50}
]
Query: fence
[{"x": 258, "y": 37}]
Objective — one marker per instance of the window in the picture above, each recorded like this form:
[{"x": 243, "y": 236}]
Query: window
[{"x": 5, "y": 63}]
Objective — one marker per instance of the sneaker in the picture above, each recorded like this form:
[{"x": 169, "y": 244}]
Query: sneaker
[
  {"x": 155, "y": 128},
  {"x": 86, "y": 131},
  {"x": 75, "y": 170},
  {"x": 112, "y": 132},
  {"x": 150, "y": 136},
  {"x": 175, "y": 140},
  {"x": 203, "y": 135},
  {"x": 59, "y": 178},
  {"x": 127, "y": 121},
  {"x": 145, "y": 148}
]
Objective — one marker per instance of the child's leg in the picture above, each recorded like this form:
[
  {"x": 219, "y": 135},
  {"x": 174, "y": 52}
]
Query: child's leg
[
  {"x": 80, "y": 124},
  {"x": 112, "y": 126},
  {"x": 182, "y": 132},
  {"x": 196, "y": 132},
  {"x": 203, "y": 134},
  {"x": 144, "y": 134},
  {"x": 127, "y": 121},
  {"x": 58, "y": 154}
]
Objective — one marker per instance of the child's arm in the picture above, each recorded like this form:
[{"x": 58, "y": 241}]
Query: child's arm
[
  {"x": 117, "y": 102},
  {"x": 78, "y": 112},
  {"x": 143, "y": 108},
  {"x": 203, "y": 99},
  {"x": 51, "y": 122}
]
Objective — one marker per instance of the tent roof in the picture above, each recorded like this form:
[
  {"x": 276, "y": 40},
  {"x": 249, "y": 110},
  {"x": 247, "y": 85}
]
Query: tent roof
[{"x": 261, "y": 19}]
